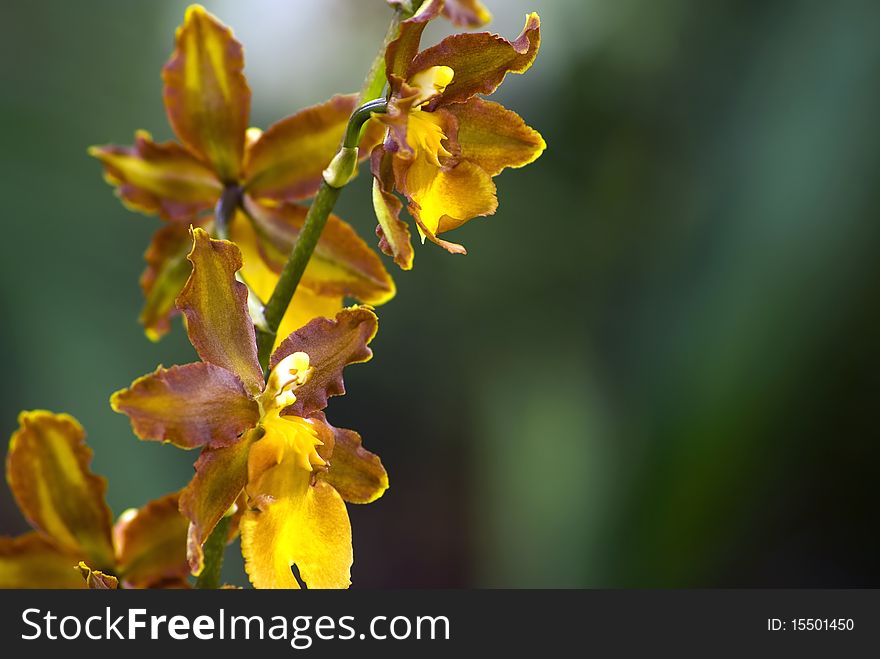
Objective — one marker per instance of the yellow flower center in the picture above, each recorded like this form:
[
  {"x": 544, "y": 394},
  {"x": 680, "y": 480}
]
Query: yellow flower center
[
  {"x": 425, "y": 136},
  {"x": 424, "y": 131},
  {"x": 291, "y": 372},
  {"x": 287, "y": 439},
  {"x": 430, "y": 83}
]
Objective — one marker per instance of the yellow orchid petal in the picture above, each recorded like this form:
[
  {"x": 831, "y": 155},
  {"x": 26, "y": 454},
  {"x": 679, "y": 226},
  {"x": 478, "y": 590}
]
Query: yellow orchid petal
[
  {"x": 294, "y": 521},
  {"x": 31, "y": 561},
  {"x": 445, "y": 198},
  {"x": 309, "y": 529},
  {"x": 493, "y": 137},
  {"x": 215, "y": 306},
  {"x": 151, "y": 543},
  {"x": 206, "y": 94},
  {"x": 305, "y": 304},
  {"x": 159, "y": 178},
  {"x": 47, "y": 468}
]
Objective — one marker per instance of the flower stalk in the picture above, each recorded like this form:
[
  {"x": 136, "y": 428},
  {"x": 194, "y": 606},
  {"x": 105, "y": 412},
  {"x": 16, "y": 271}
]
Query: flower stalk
[{"x": 215, "y": 545}]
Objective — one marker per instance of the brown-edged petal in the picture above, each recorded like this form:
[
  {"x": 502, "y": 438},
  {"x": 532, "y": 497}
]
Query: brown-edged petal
[
  {"x": 206, "y": 94},
  {"x": 331, "y": 346},
  {"x": 151, "y": 543},
  {"x": 403, "y": 48},
  {"x": 220, "y": 477},
  {"x": 480, "y": 61},
  {"x": 343, "y": 265},
  {"x": 164, "y": 277},
  {"x": 466, "y": 13},
  {"x": 47, "y": 469},
  {"x": 97, "y": 580},
  {"x": 159, "y": 178},
  {"x": 354, "y": 472},
  {"x": 188, "y": 406},
  {"x": 286, "y": 162},
  {"x": 494, "y": 137},
  {"x": 32, "y": 561},
  {"x": 393, "y": 233},
  {"x": 215, "y": 306}
]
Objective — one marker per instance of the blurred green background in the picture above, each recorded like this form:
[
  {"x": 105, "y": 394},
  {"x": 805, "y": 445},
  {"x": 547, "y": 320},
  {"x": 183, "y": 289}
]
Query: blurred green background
[{"x": 658, "y": 366}]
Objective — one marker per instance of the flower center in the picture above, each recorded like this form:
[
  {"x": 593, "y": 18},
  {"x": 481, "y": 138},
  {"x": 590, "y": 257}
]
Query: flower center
[
  {"x": 425, "y": 136},
  {"x": 430, "y": 83},
  {"x": 291, "y": 372},
  {"x": 288, "y": 440}
]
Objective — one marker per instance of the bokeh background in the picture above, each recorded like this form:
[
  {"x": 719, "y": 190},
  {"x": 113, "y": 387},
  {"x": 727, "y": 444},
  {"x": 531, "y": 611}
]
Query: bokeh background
[{"x": 659, "y": 364}]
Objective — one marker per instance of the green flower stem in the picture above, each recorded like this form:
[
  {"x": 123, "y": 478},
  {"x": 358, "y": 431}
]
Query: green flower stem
[
  {"x": 360, "y": 117},
  {"x": 293, "y": 270},
  {"x": 214, "y": 547},
  {"x": 375, "y": 80}
]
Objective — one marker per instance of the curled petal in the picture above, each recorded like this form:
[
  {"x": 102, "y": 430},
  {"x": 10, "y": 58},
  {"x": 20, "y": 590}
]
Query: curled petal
[
  {"x": 493, "y": 137},
  {"x": 393, "y": 233},
  {"x": 220, "y": 477},
  {"x": 480, "y": 61},
  {"x": 331, "y": 346},
  {"x": 164, "y": 277},
  {"x": 286, "y": 162},
  {"x": 151, "y": 543},
  {"x": 445, "y": 198},
  {"x": 206, "y": 95},
  {"x": 354, "y": 472},
  {"x": 188, "y": 406},
  {"x": 97, "y": 580},
  {"x": 47, "y": 468},
  {"x": 215, "y": 306},
  {"x": 261, "y": 279},
  {"x": 31, "y": 561},
  {"x": 343, "y": 265},
  {"x": 466, "y": 13},
  {"x": 401, "y": 50},
  {"x": 159, "y": 178},
  {"x": 307, "y": 527}
]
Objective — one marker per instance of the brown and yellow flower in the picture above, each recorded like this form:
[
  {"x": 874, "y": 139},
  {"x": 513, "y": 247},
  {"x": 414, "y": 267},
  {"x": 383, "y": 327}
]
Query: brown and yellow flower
[
  {"x": 444, "y": 143},
  {"x": 268, "y": 436},
  {"x": 464, "y": 13},
  {"x": 207, "y": 99},
  {"x": 47, "y": 469}
]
